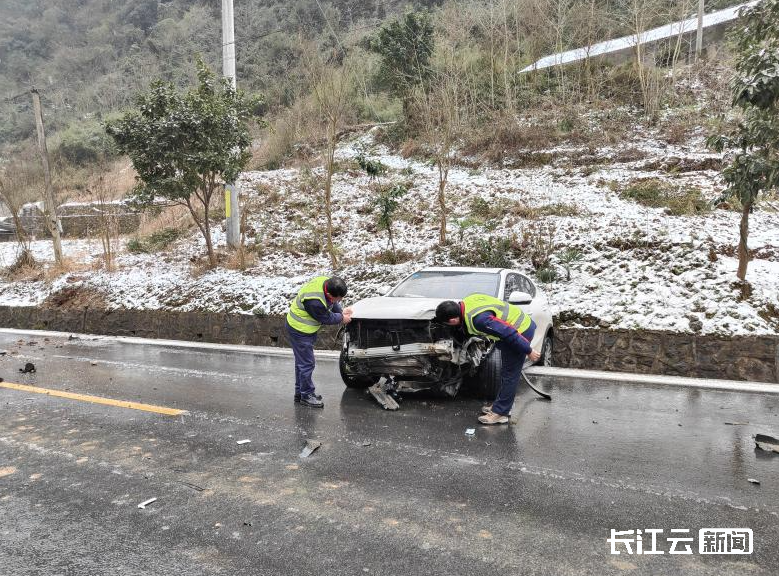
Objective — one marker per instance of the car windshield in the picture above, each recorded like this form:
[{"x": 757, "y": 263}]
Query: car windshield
[{"x": 452, "y": 285}]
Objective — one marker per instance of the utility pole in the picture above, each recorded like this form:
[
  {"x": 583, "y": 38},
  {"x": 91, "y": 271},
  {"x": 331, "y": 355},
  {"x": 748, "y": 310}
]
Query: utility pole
[
  {"x": 232, "y": 214},
  {"x": 699, "y": 35},
  {"x": 50, "y": 206}
]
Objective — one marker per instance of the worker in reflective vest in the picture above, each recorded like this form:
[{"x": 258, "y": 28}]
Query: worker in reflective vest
[
  {"x": 317, "y": 303},
  {"x": 511, "y": 329}
]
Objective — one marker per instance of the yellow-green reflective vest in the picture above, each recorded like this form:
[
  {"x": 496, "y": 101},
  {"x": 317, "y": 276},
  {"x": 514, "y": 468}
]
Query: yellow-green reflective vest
[
  {"x": 475, "y": 304},
  {"x": 297, "y": 317}
]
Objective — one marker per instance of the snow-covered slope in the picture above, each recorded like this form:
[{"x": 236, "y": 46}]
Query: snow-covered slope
[{"x": 640, "y": 267}]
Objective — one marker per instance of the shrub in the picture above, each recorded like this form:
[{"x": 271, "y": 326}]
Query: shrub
[
  {"x": 163, "y": 238},
  {"x": 84, "y": 143},
  {"x": 547, "y": 274},
  {"x": 386, "y": 201},
  {"x": 570, "y": 259},
  {"x": 154, "y": 242},
  {"x": 538, "y": 243},
  {"x": 482, "y": 210},
  {"x": 25, "y": 266},
  {"x": 393, "y": 256},
  {"x": 622, "y": 83},
  {"x": 136, "y": 246},
  {"x": 568, "y": 123},
  {"x": 503, "y": 137},
  {"x": 308, "y": 245},
  {"x": 657, "y": 193},
  {"x": 489, "y": 252},
  {"x": 559, "y": 209},
  {"x": 392, "y": 135}
]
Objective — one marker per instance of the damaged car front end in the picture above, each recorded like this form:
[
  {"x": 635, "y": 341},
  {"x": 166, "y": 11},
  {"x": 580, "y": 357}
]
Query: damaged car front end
[
  {"x": 393, "y": 341},
  {"x": 417, "y": 354}
]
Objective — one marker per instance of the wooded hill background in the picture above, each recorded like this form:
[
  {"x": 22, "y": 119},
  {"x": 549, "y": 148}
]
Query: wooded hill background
[{"x": 90, "y": 57}]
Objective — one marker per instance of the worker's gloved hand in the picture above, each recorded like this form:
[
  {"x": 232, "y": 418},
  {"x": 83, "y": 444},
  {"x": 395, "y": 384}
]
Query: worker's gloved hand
[{"x": 534, "y": 356}]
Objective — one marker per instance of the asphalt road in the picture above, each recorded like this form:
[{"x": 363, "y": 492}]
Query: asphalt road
[{"x": 387, "y": 493}]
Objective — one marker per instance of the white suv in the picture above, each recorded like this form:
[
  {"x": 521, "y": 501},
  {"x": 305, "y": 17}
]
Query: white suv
[{"x": 395, "y": 335}]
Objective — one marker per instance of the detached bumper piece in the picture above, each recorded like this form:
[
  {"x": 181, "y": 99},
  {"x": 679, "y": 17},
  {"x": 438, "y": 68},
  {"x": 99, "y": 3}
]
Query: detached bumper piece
[{"x": 382, "y": 391}]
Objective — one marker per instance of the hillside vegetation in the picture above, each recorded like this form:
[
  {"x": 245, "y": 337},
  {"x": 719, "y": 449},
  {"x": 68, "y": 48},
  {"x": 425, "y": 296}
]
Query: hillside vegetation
[
  {"x": 398, "y": 136},
  {"x": 90, "y": 57}
]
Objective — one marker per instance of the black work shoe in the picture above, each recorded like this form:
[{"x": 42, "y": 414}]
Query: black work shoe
[
  {"x": 312, "y": 401},
  {"x": 297, "y": 397}
]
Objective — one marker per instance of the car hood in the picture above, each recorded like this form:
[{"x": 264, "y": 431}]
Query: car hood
[{"x": 389, "y": 308}]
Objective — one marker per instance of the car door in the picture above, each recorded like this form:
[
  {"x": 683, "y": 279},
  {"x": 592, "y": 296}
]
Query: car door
[{"x": 538, "y": 308}]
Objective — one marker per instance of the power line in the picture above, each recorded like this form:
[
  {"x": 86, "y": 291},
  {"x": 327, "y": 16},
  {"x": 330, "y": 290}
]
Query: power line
[
  {"x": 327, "y": 20},
  {"x": 13, "y": 99}
]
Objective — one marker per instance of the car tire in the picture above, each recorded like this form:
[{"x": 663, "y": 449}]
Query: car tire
[
  {"x": 350, "y": 380},
  {"x": 485, "y": 384},
  {"x": 547, "y": 350}
]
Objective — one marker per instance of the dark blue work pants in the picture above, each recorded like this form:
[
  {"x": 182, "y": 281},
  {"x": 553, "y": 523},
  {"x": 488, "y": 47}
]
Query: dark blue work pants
[
  {"x": 512, "y": 361},
  {"x": 303, "y": 349}
]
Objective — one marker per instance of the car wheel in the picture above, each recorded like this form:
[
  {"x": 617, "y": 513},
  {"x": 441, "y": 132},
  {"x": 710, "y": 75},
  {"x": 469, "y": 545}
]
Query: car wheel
[
  {"x": 351, "y": 380},
  {"x": 486, "y": 383},
  {"x": 546, "y": 350}
]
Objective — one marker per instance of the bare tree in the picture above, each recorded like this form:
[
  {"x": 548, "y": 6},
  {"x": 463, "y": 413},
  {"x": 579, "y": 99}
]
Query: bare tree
[
  {"x": 20, "y": 183},
  {"x": 333, "y": 87},
  {"x": 559, "y": 19},
  {"x": 102, "y": 193},
  {"x": 439, "y": 123},
  {"x": 640, "y": 15}
]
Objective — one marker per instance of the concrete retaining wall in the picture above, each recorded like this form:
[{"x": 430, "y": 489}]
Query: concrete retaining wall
[
  {"x": 647, "y": 352},
  {"x": 83, "y": 225}
]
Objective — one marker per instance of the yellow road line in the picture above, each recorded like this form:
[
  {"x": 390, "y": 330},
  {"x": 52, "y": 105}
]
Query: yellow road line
[{"x": 94, "y": 399}]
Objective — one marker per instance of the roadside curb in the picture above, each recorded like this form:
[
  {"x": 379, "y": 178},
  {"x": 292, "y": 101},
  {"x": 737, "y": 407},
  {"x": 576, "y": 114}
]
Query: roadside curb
[
  {"x": 624, "y": 377},
  {"x": 184, "y": 344},
  {"x": 655, "y": 379}
]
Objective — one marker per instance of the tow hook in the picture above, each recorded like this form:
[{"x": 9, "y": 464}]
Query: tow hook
[{"x": 395, "y": 339}]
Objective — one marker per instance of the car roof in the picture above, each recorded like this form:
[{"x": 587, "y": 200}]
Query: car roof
[{"x": 462, "y": 269}]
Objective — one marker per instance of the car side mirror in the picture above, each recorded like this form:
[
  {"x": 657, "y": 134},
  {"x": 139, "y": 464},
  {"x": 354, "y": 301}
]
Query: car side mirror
[
  {"x": 517, "y": 297},
  {"x": 384, "y": 290}
]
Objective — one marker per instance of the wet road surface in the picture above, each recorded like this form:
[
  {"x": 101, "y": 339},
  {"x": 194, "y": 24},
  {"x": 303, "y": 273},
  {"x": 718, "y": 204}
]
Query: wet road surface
[{"x": 387, "y": 493}]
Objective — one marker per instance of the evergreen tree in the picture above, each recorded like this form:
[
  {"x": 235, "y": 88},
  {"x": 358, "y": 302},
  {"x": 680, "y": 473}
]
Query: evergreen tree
[
  {"x": 184, "y": 147},
  {"x": 405, "y": 46},
  {"x": 755, "y": 164}
]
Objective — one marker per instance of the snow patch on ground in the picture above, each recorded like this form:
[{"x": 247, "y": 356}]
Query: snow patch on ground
[{"x": 640, "y": 267}]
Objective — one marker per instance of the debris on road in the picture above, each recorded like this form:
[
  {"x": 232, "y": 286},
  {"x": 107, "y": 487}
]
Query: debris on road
[
  {"x": 767, "y": 443},
  {"x": 753, "y": 481},
  {"x": 145, "y": 503},
  {"x": 243, "y": 441},
  {"x": 193, "y": 486},
  {"x": 310, "y": 447},
  {"x": 29, "y": 368},
  {"x": 470, "y": 431},
  {"x": 382, "y": 391}
]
